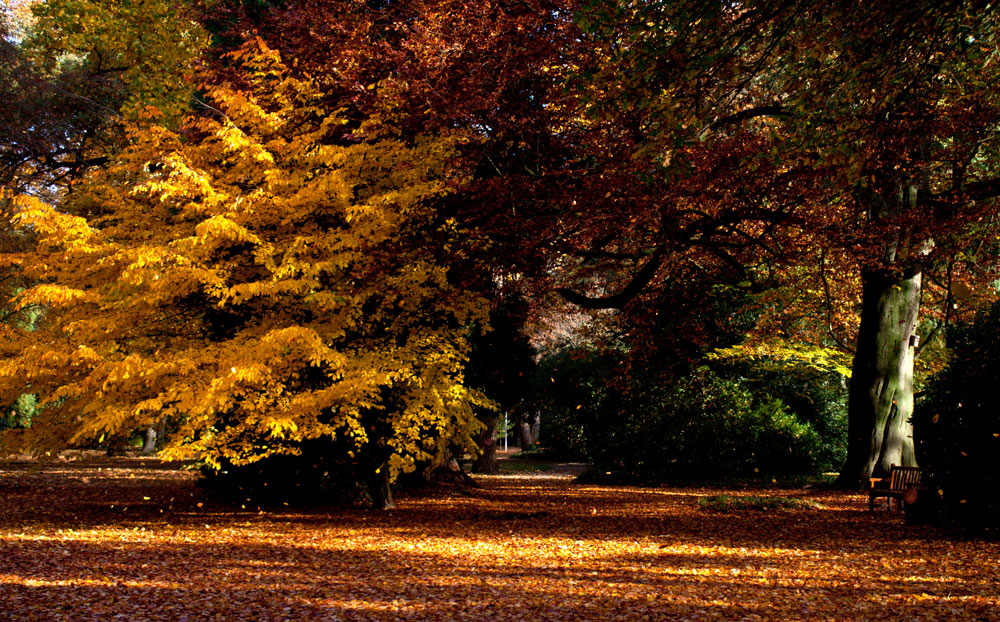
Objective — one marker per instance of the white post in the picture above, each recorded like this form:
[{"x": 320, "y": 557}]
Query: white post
[{"x": 505, "y": 430}]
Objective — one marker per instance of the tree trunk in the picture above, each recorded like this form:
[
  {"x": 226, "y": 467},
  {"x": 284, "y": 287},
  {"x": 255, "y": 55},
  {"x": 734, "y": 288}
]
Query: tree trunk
[
  {"x": 149, "y": 446},
  {"x": 380, "y": 491},
  {"x": 154, "y": 436},
  {"x": 524, "y": 431},
  {"x": 880, "y": 400},
  {"x": 486, "y": 462}
]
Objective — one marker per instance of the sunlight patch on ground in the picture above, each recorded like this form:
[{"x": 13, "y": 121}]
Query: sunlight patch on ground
[{"x": 518, "y": 548}]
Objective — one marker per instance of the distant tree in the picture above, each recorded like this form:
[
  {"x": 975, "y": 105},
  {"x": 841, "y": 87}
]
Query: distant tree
[
  {"x": 69, "y": 76},
  {"x": 501, "y": 365}
]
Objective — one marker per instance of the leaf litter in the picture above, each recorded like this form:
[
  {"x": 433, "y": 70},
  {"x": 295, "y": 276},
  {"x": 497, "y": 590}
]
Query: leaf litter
[{"x": 137, "y": 539}]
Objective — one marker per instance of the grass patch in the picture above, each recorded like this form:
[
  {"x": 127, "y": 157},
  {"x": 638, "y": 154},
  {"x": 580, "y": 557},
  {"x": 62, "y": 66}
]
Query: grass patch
[
  {"x": 729, "y": 503},
  {"x": 604, "y": 475},
  {"x": 537, "y": 452},
  {"x": 510, "y": 466}
]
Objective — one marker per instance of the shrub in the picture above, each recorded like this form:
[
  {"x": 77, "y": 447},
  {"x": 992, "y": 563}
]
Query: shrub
[
  {"x": 571, "y": 389},
  {"x": 311, "y": 478},
  {"x": 20, "y": 413},
  {"x": 706, "y": 427},
  {"x": 701, "y": 427},
  {"x": 816, "y": 398},
  {"x": 957, "y": 425}
]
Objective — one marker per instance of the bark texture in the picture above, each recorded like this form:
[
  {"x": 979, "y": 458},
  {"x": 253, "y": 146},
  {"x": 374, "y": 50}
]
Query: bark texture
[
  {"x": 154, "y": 437},
  {"x": 149, "y": 445},
  {"x": 486, "y": 462},
  {"x": 526, "y": 437},
  {"x": 880, "y": 401},
  {"x": 380, "y": 491}
]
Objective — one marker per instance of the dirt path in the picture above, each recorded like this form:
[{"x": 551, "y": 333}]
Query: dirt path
[
  {"x": 513, "y": 467},
  {"x": 137, "y": 540}
]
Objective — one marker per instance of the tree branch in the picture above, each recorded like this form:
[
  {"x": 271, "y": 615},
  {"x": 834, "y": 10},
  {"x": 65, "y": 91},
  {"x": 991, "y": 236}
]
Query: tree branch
[
  {"x": 619, "y": 300},
  {"x": 774, "y": 110},
  {"x": 986, "y": 189}
]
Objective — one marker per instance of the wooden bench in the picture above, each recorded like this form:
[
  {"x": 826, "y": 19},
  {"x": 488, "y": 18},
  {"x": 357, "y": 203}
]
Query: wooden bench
[{"x": 893, "y": 487}]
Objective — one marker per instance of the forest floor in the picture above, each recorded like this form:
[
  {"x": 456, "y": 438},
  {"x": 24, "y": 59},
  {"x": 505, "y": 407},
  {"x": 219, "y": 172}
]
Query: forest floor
[{"x": 136, "y": 539}]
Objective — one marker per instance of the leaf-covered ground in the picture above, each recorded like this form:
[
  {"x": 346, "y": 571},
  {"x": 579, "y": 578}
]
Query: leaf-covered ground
[{"x": 132, "y": 539}]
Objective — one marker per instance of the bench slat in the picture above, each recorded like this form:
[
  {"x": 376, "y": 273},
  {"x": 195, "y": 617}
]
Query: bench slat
[{"x": 900, "y": 478}]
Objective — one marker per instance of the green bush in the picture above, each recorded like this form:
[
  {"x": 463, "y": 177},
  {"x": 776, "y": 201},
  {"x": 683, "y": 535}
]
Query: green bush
[
  {"x": 573, "y": 389},
  {"x": 20, "y": 413},
  {"x": 706, "y": 427},
  {"x": 701, "y": 427},
  {"x": 817, "y": 398}
]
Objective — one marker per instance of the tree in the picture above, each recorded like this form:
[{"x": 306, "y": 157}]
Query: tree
[
  {"x": 262, "y": 279},
  {"x": 69, "y": 71},
  {"x": 441, "y": 65},
  {"x": 70, "y": 76},
  {"x": 500, "y": 365},
  {"x": 149, "y": 48},
  {"x": 780, "y": 128},
  {"x": 50, "y": 132}
]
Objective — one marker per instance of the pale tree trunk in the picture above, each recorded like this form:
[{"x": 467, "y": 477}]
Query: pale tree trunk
[
  {"x": 880, "y": 401},
  {"x": 486, "y": 462},
  {"x": 380, "y": 490},
  {"x": 149, "y": 445},
  {"x": 154, "y": 436},
  {"x": 527, "y": 439}
]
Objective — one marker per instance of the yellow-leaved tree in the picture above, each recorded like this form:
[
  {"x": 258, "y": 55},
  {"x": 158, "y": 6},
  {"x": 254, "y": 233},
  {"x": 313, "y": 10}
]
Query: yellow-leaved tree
[
  {"x": 261, "y": 279},
  {"x": 150, "y": 46}
]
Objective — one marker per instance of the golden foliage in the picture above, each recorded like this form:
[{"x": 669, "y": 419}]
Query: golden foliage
[
  {"x": 261, "y": 279},
  {"x": 152, "y": 45},
  {"x": 780, "y": 353}
]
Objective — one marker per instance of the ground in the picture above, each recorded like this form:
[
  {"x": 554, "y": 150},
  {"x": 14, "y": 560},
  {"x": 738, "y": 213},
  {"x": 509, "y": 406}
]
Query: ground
[{"x": 136, "y": 539}]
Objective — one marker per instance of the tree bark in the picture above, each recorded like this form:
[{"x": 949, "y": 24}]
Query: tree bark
[
  {"x": 149, "y": 445},
  {"x": 486, "y": 462},
  {"x": 524, "y": 431},
  {"x": 880, "y": 399},
  {"x": 154, "y": 435},
  {"x": 380, "y": 490}
]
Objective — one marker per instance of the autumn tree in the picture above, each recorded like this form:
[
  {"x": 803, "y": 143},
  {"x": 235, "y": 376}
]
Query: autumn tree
[
  {"x": 494, "y": 69},
  {"x": 74, "y": 68},
  {"x": 54, "y": 120},
  {"x": 443, "y": 64},
  {"x": 149, "y": 48},
  {"x": 260, "y": 279},
  {"x": 786, "y": 133}
]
